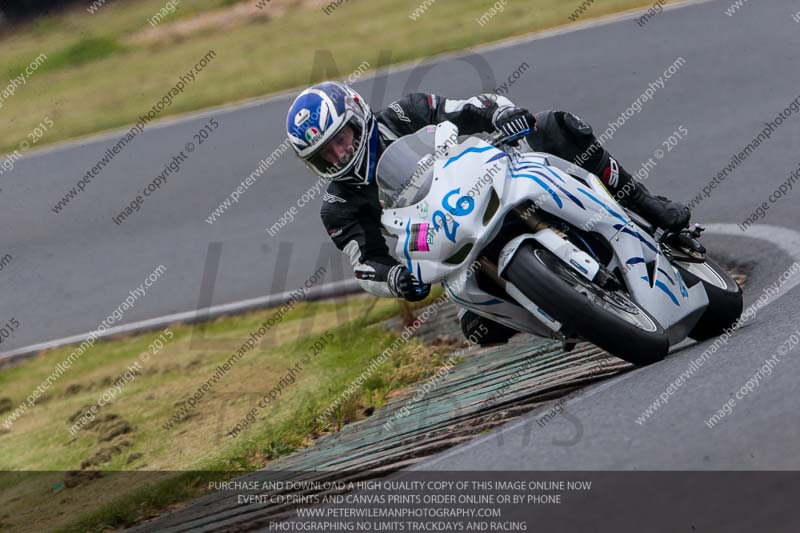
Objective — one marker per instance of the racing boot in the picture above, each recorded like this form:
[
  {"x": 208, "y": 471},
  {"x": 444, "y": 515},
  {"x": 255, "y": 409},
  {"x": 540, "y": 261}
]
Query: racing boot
[{"x": 659, "y": 211}]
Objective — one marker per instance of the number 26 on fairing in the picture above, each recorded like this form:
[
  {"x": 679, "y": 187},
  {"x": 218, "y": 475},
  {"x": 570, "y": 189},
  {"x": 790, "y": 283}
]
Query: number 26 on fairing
[{"x": 463, "y": 206}]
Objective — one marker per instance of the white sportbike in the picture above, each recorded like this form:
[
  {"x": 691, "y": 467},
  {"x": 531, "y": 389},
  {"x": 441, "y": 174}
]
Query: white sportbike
[{"x": 534, "y": 242}]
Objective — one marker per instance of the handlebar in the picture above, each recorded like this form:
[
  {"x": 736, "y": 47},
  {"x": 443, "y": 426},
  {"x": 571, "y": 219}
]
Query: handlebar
[{"x": 498, "y": 138}]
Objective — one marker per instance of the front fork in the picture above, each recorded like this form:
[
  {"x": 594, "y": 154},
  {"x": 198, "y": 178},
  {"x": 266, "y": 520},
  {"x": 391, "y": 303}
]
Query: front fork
[{"x": 604, "y": 278}]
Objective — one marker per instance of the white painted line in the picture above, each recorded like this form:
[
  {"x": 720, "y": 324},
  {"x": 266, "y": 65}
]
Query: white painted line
[
  {"x": 392, "y": 69},
  {"x": 328, "y": 290},
  {"x": 784, "y": 238}
]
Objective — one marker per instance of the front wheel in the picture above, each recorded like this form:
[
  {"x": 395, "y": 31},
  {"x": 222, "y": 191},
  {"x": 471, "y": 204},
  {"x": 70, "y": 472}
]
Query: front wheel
[
  {"x": 725, "y": 298},
  {"x": 611, "y": 320}
]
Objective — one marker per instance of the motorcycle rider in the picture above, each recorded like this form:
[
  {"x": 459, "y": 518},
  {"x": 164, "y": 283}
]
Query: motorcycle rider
[{"x": 335, "y": 133}]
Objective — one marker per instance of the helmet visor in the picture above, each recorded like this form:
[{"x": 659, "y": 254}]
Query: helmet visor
[{"x": 338, "y": 154}]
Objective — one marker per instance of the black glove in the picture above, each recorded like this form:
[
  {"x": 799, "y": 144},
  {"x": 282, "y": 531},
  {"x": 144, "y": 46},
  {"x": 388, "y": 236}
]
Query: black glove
[
  {"x": 403, "y": 284},
  {"x": 512, "y": 120}
]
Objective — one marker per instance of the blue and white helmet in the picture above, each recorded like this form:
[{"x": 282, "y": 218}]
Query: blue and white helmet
[{"x": 317, "y": 115}]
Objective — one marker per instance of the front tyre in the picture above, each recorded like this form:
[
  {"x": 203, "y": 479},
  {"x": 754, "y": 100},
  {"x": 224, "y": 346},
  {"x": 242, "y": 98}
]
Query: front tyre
[
  {"x": 611, "y": 320},
  {"x": 725, "y": 297}
]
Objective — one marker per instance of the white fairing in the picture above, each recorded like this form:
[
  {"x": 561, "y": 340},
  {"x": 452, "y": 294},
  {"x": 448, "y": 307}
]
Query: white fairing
[{"x": 442, "y": 235}]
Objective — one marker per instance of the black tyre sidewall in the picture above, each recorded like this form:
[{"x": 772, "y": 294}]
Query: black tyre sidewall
[
  {"x": 580, "y": 315},
  {"x": 724, "y": 306}
]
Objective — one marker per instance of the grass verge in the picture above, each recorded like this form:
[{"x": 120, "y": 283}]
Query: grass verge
[{"x": 52, "y": 481}]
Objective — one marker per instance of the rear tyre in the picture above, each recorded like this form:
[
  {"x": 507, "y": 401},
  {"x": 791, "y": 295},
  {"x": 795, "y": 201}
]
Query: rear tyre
[
  {"x": 725, "y": 298},
  {"x": 611, "y": 320}
]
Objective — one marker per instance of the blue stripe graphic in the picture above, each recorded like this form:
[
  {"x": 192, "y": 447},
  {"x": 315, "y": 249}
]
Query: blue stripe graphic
[
  {"x": 525, "y": 166},
  {"x": 501, "y": 155},
  {"x": 550, "y": 170},
  {"x": 566, "y": 192},
  {"x": 660, "y": 284},
  {"x": 533, "y": 160},
  {"x": 467, "y": 151},
  {"x": 666, "y": 274},
  {"x": 419, "y": 278},
  {"x": 373, "y": 155},
  {"x": 682, "y": 285},
  {"x": 600, "y": 202},
  {"x": 405, "y": 247},
  {"x": 636, "y": 234},
  {"x": 545, "y": 186}
]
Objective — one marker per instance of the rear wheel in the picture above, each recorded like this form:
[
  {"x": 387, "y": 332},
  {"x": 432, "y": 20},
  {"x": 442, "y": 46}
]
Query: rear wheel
[
  {"x": 609, "y": 319},
  {"x": 725, "y": 298}
]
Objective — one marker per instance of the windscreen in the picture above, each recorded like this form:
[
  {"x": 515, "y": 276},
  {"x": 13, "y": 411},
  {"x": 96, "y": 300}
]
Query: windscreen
[{"x": 405, "y": 170}]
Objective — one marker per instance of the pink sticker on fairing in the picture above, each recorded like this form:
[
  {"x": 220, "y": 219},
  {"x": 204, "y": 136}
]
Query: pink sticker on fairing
[{"x": 422, "y": 238}]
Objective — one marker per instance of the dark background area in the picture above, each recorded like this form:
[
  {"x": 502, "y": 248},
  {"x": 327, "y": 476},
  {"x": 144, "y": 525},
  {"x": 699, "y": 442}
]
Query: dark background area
[{"x": 25, "y": 9}]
